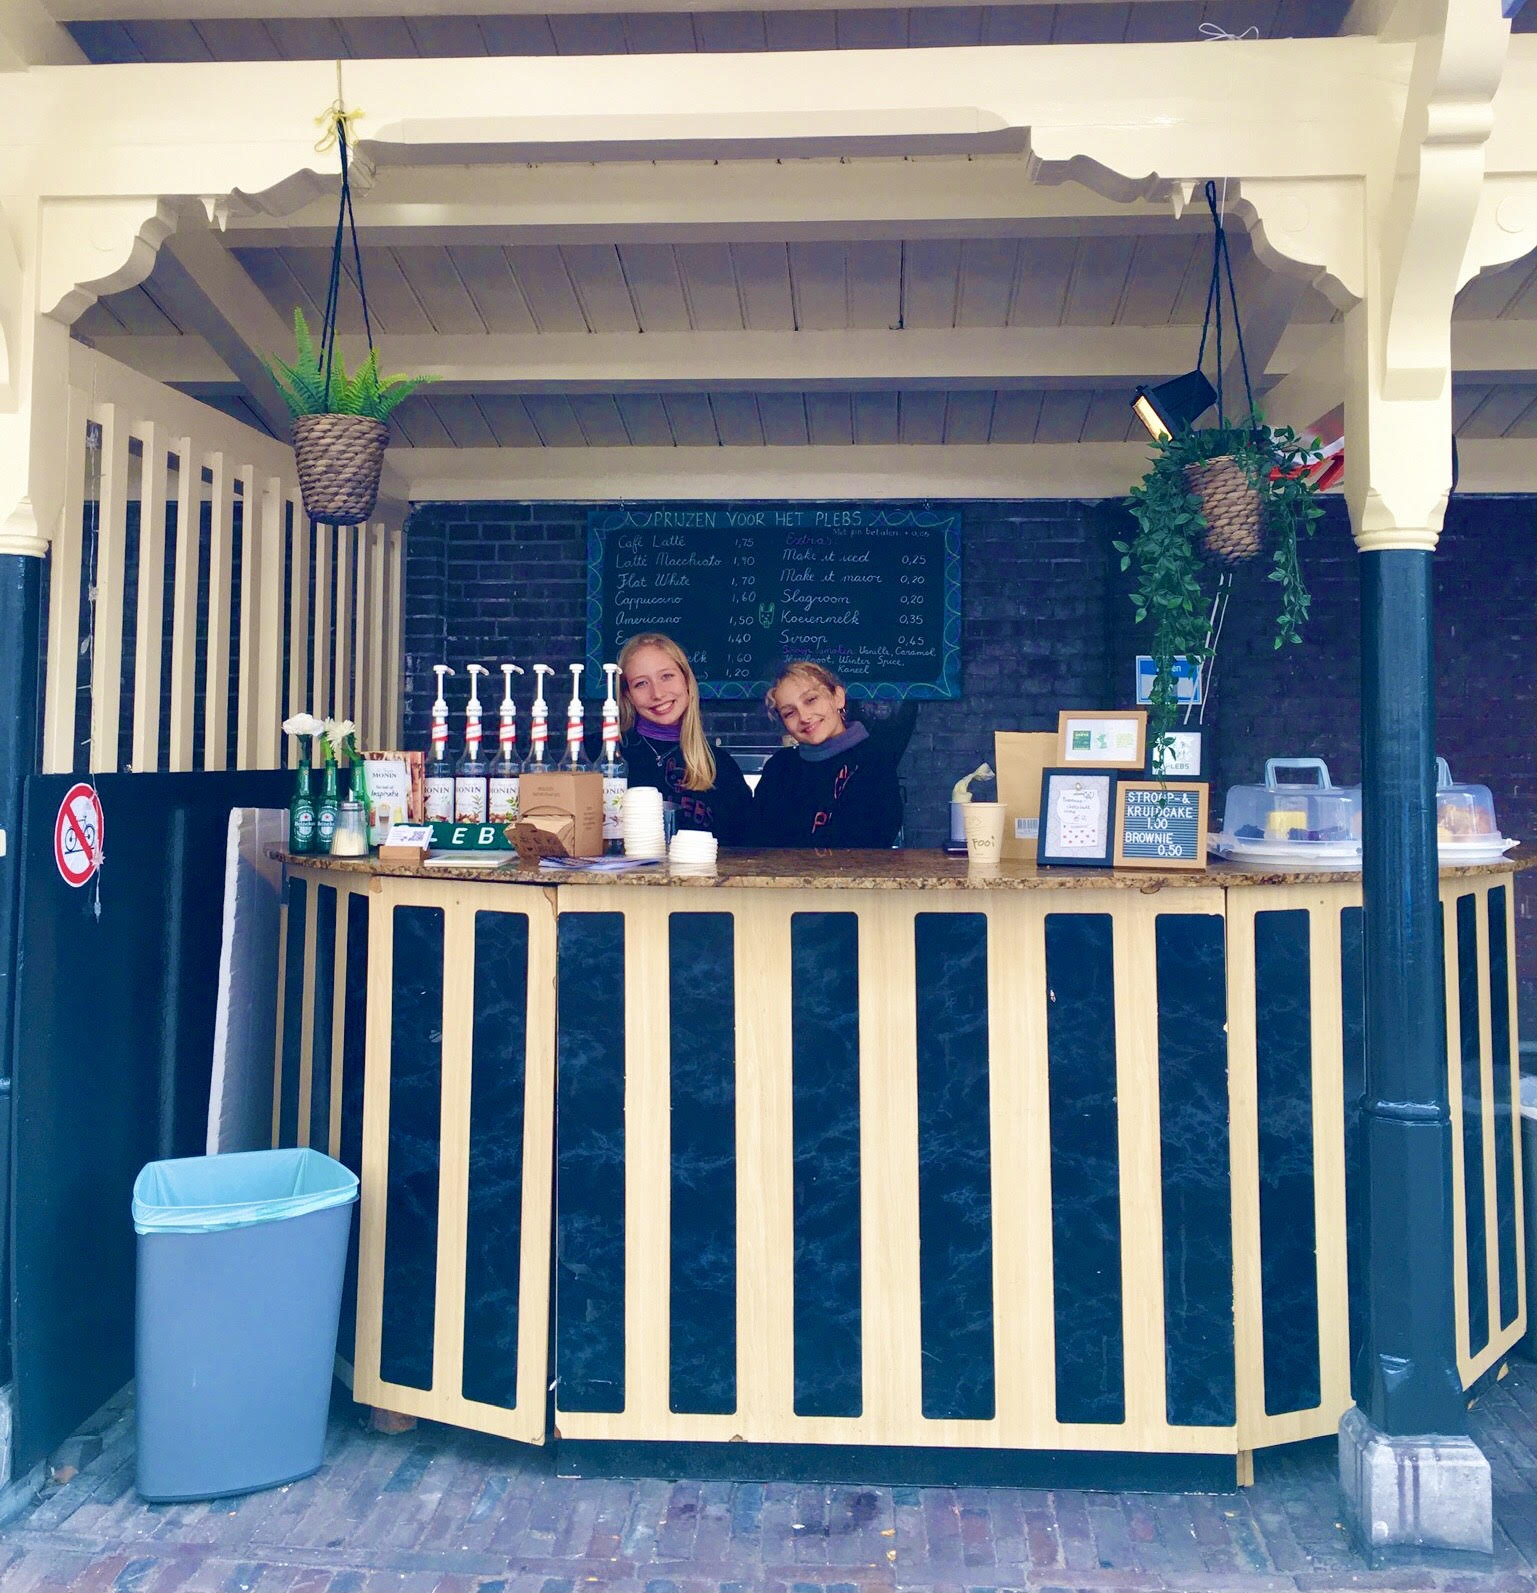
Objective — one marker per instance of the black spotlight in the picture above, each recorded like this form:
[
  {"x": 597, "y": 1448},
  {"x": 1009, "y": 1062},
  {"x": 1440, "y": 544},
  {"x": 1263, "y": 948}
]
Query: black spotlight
[{"x": 1174, "y": 404}]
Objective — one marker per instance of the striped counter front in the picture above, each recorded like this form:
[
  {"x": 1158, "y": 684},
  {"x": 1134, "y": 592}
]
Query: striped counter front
[{"x": 1049, "y": 1165}]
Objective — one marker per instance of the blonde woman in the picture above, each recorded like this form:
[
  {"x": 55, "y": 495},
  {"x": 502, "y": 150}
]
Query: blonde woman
[
  {"x": 837, "y": 786},
  {"x": 664, "y": 744}
]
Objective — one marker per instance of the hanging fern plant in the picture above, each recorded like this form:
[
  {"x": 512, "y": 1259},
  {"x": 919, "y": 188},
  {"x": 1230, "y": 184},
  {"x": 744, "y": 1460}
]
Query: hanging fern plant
[
  {"x": 1178, "y": 578},
  {"x": 307, "y": 390},
  {"x": 1213, "y": 498},
  {"x": 339, "y": 431}
]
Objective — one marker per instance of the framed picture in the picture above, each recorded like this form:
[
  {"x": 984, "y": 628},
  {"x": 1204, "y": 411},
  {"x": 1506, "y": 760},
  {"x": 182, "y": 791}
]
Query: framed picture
[
  {"x": 1181, "y": 760},
  {"x": 1088, "y": 739},
  {"x": 1160, "y": 823},
  {"x": 1077, "y": 818}
]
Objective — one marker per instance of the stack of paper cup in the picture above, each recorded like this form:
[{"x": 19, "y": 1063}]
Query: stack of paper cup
[
  {"x": 692, "y": 846},
  {"x": 642, "y": 813}
]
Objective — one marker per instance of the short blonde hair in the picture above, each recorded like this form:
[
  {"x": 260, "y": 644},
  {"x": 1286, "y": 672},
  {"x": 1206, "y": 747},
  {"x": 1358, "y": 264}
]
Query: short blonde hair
[
  {"x": 698, "y": 760},
  {"x": 805, "y": 669}
]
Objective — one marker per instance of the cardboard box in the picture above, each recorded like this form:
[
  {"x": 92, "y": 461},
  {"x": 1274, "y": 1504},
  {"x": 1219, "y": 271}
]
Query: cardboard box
[
  {"x": 572, "y": 796},
  {"x": 1020, "y": 757}
]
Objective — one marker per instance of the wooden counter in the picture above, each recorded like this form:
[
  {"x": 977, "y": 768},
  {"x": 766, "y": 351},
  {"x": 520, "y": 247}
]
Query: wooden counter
[{"x": 862, "y": 1149}]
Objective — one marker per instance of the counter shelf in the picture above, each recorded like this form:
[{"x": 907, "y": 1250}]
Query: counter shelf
[{"x": 866, "y": 1151}]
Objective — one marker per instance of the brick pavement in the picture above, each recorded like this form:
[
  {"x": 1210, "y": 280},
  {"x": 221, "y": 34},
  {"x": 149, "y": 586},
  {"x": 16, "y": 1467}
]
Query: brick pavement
[{"x": 441, "y": 1511}]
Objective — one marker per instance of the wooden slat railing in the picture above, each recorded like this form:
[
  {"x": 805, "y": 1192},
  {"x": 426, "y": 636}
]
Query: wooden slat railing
[{"x": 156, "y": 479}]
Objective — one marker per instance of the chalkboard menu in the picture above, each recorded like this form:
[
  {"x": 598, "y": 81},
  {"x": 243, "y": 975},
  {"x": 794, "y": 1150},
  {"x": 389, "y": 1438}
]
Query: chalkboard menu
[{"x": 872, "y": 593}]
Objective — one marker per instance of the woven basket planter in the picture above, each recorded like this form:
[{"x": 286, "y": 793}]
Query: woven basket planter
[
  {"x": 339, "y": 458},
  {"x": 1233, "y": 508}
]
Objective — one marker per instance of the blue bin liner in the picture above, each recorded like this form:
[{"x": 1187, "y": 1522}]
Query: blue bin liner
[{"x": 206, "y": 1194}]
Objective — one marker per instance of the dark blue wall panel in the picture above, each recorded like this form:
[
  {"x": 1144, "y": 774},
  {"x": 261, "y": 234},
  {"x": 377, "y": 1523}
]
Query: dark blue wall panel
[
  {"x": 325, "y": 994},
  {"x": 494, "y": 1219},
  {"x": 589, "y": 1161},
  {"x": 354, "y": 1041},
  {"x": 110, "y": 1079},
  {"x": 824, "y": 1008},
  {"x": 702, "y": 1015},
  {"x": 1288, "y": 1247},
  {"x": 955, "y": 1201},
  {"x": 411, "y": 1203},
  {"x": 1197, "y": 1169},
  {"x": 1503, "y": 1104},
  {"x": 293, "y": 1012},
  {"x": 1353, "y": 1035},
  {"x": 1085, "y": 1167},
  {"x": 1472, "y": 1122}
]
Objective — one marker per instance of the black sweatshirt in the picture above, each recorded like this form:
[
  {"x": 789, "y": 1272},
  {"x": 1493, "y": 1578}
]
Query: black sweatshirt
[
  {"x": 849, "y": 799},
  {"x": 725, "y": 809}
]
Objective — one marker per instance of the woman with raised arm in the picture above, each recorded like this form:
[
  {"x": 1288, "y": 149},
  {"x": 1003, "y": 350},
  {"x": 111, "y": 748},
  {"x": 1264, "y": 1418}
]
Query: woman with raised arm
[{"x": 837, "y": 786}]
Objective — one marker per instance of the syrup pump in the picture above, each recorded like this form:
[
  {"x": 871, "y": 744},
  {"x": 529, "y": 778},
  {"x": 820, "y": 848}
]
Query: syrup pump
[
  {"x": 538, "y": 723},
  {"x": 576, "y": 751},
  {"x": 439, "y": 771},
  {"x": 472, "y": 774},
  {"x": 615, "y": 772},
  {"x": 502, "y": 788}
]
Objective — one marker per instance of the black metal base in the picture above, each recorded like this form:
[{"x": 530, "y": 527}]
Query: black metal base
[{"x": 889, "y": 1466}]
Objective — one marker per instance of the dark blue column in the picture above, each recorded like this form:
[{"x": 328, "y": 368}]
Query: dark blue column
[
  {"x": 1413, "y": 1385},
  {"x": 20, "y": 631}
]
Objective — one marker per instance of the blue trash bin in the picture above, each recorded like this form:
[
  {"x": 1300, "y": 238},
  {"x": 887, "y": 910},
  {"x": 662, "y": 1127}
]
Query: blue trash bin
[{"x": 240, "y": 1264}]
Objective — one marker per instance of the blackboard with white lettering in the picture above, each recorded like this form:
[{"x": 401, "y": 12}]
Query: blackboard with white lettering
[
  {"x": 872, "y": 593},
  {"x": 1160, "y": 823}
]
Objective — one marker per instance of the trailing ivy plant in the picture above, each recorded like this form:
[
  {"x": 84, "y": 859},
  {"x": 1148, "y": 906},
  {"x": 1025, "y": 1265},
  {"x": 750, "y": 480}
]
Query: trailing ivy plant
[
  {"x": 306, "y": 391},
  {"x": 1176, "y": 581}
]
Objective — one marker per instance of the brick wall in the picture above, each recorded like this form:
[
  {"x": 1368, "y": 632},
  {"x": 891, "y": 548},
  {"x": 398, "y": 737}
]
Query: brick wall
[
  {"x": 1046, "y": 626},
  {"x": 1034, "y": 587}
]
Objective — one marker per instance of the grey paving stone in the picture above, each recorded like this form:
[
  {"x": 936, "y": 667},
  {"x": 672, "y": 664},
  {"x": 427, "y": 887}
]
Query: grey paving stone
[{"x": 439, "y": 1511}]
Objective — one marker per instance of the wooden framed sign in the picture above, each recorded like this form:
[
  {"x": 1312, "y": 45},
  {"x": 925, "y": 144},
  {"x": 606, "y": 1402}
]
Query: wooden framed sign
[
  {"x": 1077, "y": 814},
  {"x": 1160, "y": 823},
  {"x": 1090, "y": 739},
  {"x": 1182, "y": 756}
]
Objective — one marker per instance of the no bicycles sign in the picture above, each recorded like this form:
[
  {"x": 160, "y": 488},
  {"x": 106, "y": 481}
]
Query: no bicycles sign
[{"x": 77, "y": 835}]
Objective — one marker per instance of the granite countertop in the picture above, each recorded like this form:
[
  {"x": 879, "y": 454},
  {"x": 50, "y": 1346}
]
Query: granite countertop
[{"x": 884, "y": 870}]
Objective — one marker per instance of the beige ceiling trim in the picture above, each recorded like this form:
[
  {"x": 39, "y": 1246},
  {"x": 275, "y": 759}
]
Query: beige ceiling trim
[
  {"x": 1127, "y": 120},
  {"x": 1306, "y": 359},
  {"x": 606, "y": 362},
  {"x": 306, "y": 10},
  {"x": 31, "y": 36},
  {"x": 997, "y": 470},
  {"x": 623, "y": 201}
]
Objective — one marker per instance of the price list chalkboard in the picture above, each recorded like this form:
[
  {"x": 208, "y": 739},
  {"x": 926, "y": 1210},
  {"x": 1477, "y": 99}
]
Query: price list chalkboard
[{"x": 872, "y": 593}]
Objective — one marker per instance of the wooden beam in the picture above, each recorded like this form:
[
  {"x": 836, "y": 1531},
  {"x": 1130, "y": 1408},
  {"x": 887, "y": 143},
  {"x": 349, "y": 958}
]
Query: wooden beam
[
  {"x": 204, "y": 288},
  {"x": 961, "y": 357},
  {"x": 998, "y": 470},
  {"x": 31, "y": 35},
  {"x": 733, "y": 361},
  {"x": 304, "y": 10},
  {"x": 713, "y": 201}
]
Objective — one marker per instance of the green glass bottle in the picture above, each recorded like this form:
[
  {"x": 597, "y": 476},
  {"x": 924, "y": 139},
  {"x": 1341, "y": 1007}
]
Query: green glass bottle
[
  {"x": 301, "y": 809},
  {"x": 325, "y": 811}
]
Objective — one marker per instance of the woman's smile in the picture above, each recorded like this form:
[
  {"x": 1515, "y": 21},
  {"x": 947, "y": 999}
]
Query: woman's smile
[{"x": 656, "y": 686}]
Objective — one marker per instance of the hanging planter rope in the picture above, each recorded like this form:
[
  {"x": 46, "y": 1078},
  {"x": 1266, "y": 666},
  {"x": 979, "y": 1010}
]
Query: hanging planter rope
[
  {"x": 1231, "y": 503},
  {"x": 339, "y": 431}
]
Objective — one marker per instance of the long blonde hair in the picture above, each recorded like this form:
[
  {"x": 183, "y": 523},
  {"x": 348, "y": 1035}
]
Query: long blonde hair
[{"x": 698, "y": 760}]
